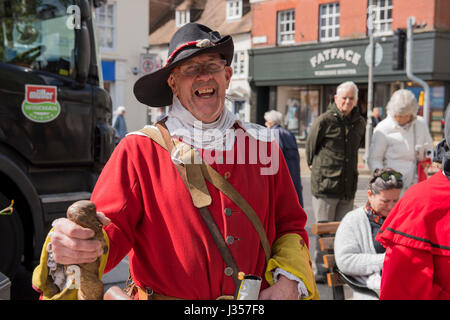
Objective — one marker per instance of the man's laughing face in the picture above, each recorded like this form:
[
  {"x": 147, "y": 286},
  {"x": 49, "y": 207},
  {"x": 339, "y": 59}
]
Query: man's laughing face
[{"x": 200, "y": 84}]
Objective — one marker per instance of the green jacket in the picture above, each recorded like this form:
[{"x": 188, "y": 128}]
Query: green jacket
[{"x": 332, "y": 150}]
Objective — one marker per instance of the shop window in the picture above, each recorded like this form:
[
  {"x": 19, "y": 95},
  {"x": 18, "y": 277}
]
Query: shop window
[
  {"x": 182, "y": 17},
  {"x": 381, "y": 97},
  {"x": 329, "y": 21},
  {"x": 300, "y": 107},
  {"x": 239, "y": 109},
  {"x": 286, "y": 27},
  {"x": 437, "y": 107},
  {"x": 382, "y": 16},
  {"x": 105, "y": 18},
  {"x": 238, "y": 63},
  {"x": 234, "y": 9}
]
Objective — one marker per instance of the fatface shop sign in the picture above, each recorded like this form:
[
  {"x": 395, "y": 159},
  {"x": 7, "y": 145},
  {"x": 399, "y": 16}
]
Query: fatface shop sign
[{"x": 335, "y": 62}]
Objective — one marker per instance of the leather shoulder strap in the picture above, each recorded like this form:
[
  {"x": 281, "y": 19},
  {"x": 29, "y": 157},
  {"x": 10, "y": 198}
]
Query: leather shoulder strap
[
  {"x": 154, "y": 134},
  {"x": 223, "y": 185},
  {"x": 194, "y": 177},
  {"x": 194, "y": 181}
]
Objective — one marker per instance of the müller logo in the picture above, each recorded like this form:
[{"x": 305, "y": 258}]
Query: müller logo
[
  {"x": 41, "y": 104},
  {"x": 38, "y": 94}
]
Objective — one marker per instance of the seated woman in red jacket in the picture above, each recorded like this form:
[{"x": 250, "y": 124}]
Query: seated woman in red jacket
[{"x": 416, "y": 235}]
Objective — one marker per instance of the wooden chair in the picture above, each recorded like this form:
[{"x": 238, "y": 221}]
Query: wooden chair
[
  {"x": 326, "y": 232},
  {"x": 335, "y": 278}
]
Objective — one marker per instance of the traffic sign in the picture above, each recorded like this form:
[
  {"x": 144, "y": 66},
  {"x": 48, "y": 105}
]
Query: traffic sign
[{"x": 150, "y": 62}]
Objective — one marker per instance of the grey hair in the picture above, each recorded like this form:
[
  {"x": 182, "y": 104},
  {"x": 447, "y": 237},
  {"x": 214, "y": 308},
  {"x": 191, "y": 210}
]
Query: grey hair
[
  {"x": 345, "y": 85},
  {"x": 402, "y": 102},
  {"x": 377, "y": 184},
  {"x": 120, "y": 109},
  {"x": 273, "y": 116}
]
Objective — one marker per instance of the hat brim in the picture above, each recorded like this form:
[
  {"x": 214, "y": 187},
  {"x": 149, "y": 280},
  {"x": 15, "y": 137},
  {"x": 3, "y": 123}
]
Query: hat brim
[{"x": 153, "y": 90}]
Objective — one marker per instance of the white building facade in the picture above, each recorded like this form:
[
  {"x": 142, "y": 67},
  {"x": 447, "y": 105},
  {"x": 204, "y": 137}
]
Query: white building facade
[
  {"x": 229, "y": 17},
  {"x": 122, "y": 34}
]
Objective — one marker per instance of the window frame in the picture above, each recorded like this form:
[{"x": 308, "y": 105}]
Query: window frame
[
  {"x": 286, "y": 21},
  {"x": 182, "y": 17},
  {"x": 238, "y": 64},
  {"x": 335, "y": 27},
  {"x": 378, "y": 22},
  {"x": 237, "y": 10},
  {"x": 101, "y": 25}
]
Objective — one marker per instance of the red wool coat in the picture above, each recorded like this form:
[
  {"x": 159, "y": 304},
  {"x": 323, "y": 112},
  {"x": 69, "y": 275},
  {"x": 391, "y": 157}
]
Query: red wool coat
[
  {"x": 416, "y": 235},
  {"x": 172, "y": 252}
]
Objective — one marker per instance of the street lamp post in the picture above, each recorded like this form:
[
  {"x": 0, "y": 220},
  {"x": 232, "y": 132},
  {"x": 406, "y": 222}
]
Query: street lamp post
[
  {"x": 370, "y": 26},
  {"x": 409, "y": 72}
]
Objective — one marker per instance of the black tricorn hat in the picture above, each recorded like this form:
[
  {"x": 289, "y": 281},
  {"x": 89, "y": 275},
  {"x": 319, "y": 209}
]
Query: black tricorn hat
[{"x": 189, "y": 41}]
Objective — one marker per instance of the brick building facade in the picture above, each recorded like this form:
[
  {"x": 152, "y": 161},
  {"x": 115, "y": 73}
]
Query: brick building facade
[{"x": 302, "y": 49}]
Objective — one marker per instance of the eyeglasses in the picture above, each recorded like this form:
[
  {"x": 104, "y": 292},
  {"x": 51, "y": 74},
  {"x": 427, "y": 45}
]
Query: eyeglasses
[
  {"x": 386, "y": 176},
  {"x": 213, "y": 66}
]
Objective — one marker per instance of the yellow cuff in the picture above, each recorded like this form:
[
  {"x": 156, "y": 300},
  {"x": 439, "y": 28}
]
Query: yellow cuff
[
  {"x": 42, "y": 281},
  {"x": 290, "y": 253}
]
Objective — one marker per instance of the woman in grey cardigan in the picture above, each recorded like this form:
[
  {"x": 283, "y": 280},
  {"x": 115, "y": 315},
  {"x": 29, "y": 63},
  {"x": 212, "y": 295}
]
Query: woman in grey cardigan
[{"x": 357, "y": 252}]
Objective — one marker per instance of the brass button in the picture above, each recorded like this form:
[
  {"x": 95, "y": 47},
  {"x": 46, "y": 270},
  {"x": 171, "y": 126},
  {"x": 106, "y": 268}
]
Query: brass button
[
  {"x": 230, "y": 239},
  {"x": 227, "y": 175},
  {"x": 227, "y": 212},
  {"x": 228, "y": 271}
]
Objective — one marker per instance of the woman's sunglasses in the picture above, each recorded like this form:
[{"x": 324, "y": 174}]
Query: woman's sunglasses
[{"x": 386, "y": 176}]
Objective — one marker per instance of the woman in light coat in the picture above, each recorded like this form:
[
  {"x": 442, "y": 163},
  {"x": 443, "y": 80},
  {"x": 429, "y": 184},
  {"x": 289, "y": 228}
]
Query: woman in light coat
[
  {"x": 356, "y": 251},
  {"x": 402, "y": 139}
]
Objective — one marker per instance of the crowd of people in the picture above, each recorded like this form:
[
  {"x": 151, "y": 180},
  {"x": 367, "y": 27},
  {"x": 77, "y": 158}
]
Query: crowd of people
[
  {"x": 242, "y": 215},
  {"x": 397, "y": 244}
]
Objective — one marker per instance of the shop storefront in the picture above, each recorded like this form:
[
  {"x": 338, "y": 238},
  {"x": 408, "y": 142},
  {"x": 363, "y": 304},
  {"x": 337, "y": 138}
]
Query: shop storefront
[{"x": 300, "y": 81}]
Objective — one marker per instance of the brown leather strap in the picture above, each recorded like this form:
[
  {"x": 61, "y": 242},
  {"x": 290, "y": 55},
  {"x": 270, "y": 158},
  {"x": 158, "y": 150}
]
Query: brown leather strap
[
  {"x": 194, "y": 177},
  {"x": 197, "y": 187},
  {"x": 150, "y": 295},
  {"x": 223, "y": 185},
  {"x": 219, "y": 182},
  {"x": 220, "y": 243},
  {"x": 144, "y": 294},
  {"x": 191, "y": 173}
]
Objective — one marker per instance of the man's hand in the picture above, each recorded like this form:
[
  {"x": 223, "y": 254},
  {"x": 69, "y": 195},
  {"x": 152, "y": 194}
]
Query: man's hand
[
  {"x": 283, "y": 289},
  {"x": 70, "y": 242}
]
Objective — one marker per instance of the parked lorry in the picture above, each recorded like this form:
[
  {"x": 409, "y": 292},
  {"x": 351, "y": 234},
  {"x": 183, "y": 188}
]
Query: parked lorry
[{"x": 55, "y": 119}]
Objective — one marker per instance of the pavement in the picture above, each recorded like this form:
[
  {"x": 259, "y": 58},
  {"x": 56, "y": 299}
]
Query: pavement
[
  {"x": 21, "y": 285},
  {"x": 325, "y": 292}
]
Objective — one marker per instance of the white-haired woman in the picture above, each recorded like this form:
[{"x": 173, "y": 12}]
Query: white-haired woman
[
  {"x": 119, "y": 124},
  {"x": 402, "y": 139}
]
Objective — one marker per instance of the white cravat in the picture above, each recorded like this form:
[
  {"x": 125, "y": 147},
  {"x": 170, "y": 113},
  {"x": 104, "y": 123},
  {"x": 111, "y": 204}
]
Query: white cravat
[{"x": 217, "y": 135}]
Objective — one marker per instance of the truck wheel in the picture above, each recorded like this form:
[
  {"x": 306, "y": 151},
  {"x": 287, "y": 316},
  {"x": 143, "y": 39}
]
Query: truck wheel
[{"x": 11, "y": 240}]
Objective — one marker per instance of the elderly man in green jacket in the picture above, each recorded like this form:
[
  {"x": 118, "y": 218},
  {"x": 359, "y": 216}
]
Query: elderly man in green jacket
[{"x": 332, "y": 155}]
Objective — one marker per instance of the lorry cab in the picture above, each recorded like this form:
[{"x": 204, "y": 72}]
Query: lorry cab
[{"x": 55, "y": 119}]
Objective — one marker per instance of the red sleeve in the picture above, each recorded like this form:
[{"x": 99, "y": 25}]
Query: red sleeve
[
  {"x": 117, "y": 194},
  {"x": 408, "y": 275}
]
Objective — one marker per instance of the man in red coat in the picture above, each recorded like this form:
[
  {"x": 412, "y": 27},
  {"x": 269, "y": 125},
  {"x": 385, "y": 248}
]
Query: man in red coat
[
  {"x": 152, "y": 215},
  {"x": 416, "y": 235}
]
